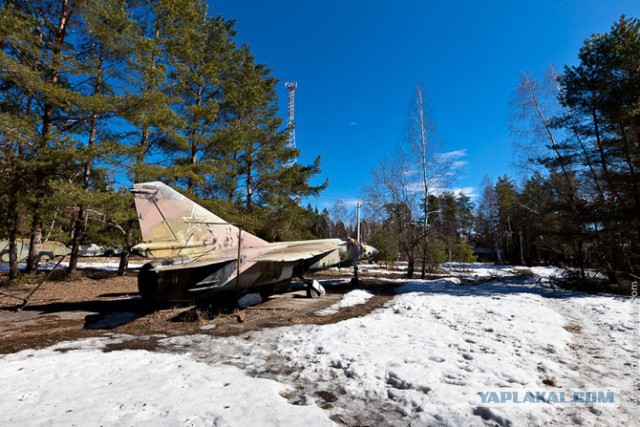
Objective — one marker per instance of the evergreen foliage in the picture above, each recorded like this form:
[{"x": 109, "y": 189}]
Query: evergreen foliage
[
  {"x": 98, "y": 94},
  {"x": 583, "y": 207}
]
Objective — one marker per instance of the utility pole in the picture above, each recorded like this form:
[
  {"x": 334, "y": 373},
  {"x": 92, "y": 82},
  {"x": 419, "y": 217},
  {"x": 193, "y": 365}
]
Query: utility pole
[
  {"x": 357, "y": 248},
  {"x": 358, "y": 222}
]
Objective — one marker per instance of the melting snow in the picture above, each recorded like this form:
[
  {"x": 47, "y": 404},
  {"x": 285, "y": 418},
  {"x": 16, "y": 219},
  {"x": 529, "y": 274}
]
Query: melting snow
[
  {"x": 46, "y": 266},
  {"x": 419, "y": 360},
  {"x": 350, "y": 299}
]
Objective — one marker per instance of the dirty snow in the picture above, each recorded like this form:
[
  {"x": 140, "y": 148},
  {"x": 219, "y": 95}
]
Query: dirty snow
[{"x": 419, "y": 360}]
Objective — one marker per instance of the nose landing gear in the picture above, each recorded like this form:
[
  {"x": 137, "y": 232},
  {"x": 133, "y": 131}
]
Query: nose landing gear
[{"x": 314, "y": 288}]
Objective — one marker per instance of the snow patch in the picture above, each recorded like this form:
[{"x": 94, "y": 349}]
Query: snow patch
[
  {"x": 418, "y": 360},
  {"x": 350, "y": 299},
  {"x": 141, "y": 388},
  {"x": 46, "y": 266}
]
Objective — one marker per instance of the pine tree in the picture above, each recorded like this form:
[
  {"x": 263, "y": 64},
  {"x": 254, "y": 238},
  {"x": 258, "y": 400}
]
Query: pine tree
[
  {"x": 601, "y": 96},
  {"x": 39, "y": 59},
  {"x": 104, "y": 34},
  {"x": 254, "y": 167},
  {"x": 161, "y": 27},
  {"x": 17, "y": 133},
  {"x": 535, "y": 202},
  {"x": 508, "y": 226},
  {"x": 202, "y": 61}
]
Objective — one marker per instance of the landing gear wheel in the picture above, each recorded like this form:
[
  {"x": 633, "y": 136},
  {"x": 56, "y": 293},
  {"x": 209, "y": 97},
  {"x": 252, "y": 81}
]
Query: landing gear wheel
[
  {"x": 314, "y": 289},
  {"x": 313, "y": 293}
]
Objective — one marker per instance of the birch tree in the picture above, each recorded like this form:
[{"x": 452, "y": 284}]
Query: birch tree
[{"x": 431, "y": 165}]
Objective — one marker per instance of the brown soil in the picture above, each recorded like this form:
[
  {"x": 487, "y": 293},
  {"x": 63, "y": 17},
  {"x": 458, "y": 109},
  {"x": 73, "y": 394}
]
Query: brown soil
[{"x": 97, "y": 304}]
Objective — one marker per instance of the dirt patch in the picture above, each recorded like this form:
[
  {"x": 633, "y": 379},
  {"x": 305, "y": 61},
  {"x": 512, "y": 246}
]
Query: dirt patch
[
  {"x": 147, "y": 343},
  {"x": 574, "y": 329},
  {"x": 97, "y": 304}
]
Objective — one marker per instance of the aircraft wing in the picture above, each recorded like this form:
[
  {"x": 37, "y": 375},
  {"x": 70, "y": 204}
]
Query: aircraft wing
[
  {"x": 191, "y": 262},
  {"x": 295, "y": 253}
]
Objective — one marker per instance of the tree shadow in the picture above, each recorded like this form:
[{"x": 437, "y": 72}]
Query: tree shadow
[{"x": 104, "y": 314}]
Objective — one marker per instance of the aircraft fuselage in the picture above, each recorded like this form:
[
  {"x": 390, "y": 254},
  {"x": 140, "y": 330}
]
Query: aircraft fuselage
[{"x": 197, "y": 254}]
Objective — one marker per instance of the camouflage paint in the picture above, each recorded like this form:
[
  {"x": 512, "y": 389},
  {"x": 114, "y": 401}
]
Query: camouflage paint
[
  {"x": 46, "y": 250},
  {"x": 196, "y": 252}
]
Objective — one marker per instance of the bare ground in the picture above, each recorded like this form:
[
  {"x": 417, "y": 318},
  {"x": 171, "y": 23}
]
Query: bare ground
[{"x": 97, "y": 303}]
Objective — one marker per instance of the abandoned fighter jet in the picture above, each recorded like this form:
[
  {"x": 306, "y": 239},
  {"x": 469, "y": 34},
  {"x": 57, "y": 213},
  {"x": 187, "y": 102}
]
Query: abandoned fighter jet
[{"x": 199, "y": 255}]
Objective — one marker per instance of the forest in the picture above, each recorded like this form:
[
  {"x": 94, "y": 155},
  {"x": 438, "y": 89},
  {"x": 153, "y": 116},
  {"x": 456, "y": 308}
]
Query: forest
[
  {"x": 577, "y": 134},
  {"x": 98, "y": 94},
  {"x": 576, "y": 199}
]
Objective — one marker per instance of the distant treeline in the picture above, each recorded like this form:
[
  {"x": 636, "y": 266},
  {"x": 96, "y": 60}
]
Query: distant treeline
[{"x": 577, "y": 136}]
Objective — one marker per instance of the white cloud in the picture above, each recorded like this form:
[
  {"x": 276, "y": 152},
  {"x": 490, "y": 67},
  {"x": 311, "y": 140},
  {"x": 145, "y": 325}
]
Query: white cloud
[
  {"x": 467, "y": 191},
  {"x": 452, "y": 155},
  {"x": 436, "y": 188},
  {"x": 458, "y": 164}
]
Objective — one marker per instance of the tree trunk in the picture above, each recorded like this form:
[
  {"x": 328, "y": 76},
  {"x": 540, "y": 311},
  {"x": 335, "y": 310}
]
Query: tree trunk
[
  {"x": 47, "y": 121},
  {"x": 423, "y": 270},
  {"x": 35, "y": 243},
  {"x": 194, "y": 142},
  {"x": 249, "y": 188},
  {"x": 521, "y": 241},
  {"x": 78, "y": 224},
  {"x": 76, "y": 236},
  {"x": 124, "y": 257},
  {"x": 12, "y": 226},
  {"x": 410, "y": 266}
]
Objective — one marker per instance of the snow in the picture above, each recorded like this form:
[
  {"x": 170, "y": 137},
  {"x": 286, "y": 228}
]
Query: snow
[
  {"x": 355, "y": 297},
  {"x": 46, "y": 266},
  {"x": 140, "y": 388},
  {"x": 419, "y": 360},
  {"x": 471, "y": 270}
]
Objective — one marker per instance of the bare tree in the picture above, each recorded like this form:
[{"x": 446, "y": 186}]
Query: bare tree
[
  {"x": 534, "y": 106},
  {"x": 431, "y": 164},
  {"x": 488, "y": 218},
  {"x": 391, "y": 200},
  {"x": 340, "y": 215}
]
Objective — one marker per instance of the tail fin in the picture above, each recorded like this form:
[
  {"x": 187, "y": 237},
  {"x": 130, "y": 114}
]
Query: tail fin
[{"x": 172, "y": 224}]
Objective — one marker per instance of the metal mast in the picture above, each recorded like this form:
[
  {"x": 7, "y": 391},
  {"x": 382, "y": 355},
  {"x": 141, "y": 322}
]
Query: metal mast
[
  {"x": 358, "y": 222},
  {"x": 291, "y": 126}
]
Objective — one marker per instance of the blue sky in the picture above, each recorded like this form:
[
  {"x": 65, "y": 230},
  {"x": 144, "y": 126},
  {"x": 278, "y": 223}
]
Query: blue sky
[{"x": 357, "y": 64}]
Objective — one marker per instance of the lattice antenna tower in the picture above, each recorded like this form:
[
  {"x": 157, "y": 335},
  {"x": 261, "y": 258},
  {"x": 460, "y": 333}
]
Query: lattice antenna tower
[{"x": 291, "y": 125}]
